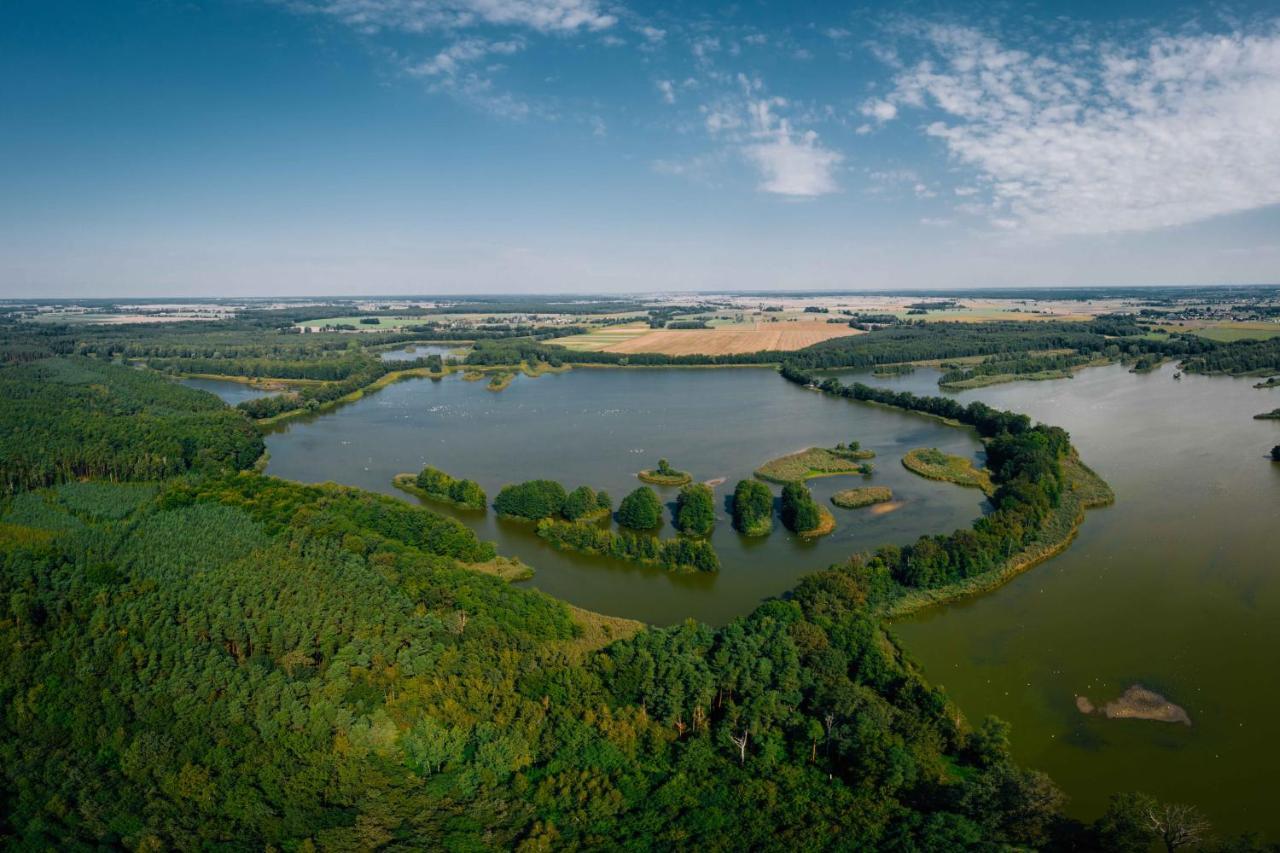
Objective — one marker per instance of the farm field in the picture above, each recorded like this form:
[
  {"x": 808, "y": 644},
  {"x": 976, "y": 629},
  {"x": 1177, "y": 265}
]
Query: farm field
[{"x": 737, "y": 339}]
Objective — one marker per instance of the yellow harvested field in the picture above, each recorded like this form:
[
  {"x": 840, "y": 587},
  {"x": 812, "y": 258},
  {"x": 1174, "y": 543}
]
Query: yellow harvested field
[{"x": 764, "y": 336}]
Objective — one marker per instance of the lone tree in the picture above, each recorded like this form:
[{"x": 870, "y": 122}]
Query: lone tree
[
  {"x": 640, "y": 510},
  {"x": 695, "y": 510}
]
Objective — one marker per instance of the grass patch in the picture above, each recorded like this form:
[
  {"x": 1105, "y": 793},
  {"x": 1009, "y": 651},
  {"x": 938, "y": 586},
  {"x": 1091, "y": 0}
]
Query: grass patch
[
  {"x": 1273, "y": 415},
  {"x": 933, "y": 464},
  {"x": 596, "y": 630},
  {"x": 509, "y": 569},
  {"x": 1084, "y": 490},
  {"x": 1229, "y": 332},
  {"x": 865, "y": 496},
  {"x": 815, "y": 462}
]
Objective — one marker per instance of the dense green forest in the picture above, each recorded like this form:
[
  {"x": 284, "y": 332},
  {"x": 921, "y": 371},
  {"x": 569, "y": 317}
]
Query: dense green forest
[
  {"x": 215, "y": 658},
  {"x": 66, "y": 418},
  {"x": 1238, "y": 357}
]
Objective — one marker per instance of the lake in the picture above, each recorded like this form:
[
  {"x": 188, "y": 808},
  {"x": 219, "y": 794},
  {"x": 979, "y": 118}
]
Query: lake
[
  {"x": 231, "y": 392},
  {"x": 1177, "y": 586},
  {"x": 413, "y": 351},
  {"x": 600, "y": 427}
]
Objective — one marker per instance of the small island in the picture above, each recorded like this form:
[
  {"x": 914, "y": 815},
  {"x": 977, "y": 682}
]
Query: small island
[
  {"x": 1273, "y": 415},
  {"x": 865, "y": 496},
  {"x": 1273, "y": 382},
  {"x": 932, "y": 463},
  {"x": 817, "y": 462},
  {"x": 435, "y": 485},
  {"x": 802, "y": 515},
  {"x": 752, "y": 508},
  {"x": 665, "y": 475},
  {"x": 535, "y": 500}
]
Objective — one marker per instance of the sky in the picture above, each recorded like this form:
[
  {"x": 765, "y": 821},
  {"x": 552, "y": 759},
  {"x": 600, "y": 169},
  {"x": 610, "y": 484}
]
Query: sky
[{"x": 312, "y": 147}]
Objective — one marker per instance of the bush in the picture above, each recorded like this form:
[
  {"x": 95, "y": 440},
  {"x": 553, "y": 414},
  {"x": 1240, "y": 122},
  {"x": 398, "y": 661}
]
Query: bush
[{"x": 640, "y": 510}]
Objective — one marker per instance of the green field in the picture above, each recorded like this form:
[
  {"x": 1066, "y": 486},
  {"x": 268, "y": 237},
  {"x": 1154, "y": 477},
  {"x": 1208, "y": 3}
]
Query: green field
[{"x": 1239, "y": 332}]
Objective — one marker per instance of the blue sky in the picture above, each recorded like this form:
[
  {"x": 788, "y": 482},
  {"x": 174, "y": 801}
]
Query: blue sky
[{"x": 258, "y": 147}]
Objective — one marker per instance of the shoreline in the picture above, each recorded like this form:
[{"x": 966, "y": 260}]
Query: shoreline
[{"x": 1086, "y": 491}]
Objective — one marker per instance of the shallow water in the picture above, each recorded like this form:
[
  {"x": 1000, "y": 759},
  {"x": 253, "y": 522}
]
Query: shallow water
[{"x": 1176, "y": 587}]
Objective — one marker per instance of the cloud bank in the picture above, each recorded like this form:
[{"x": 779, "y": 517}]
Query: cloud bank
[{"x": 1103, "y": 139}]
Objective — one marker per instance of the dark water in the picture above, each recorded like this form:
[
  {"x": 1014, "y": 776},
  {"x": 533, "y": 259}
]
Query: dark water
[
  {"x": 1176, "y": 586},
  {"x": 599, "y": 427},
  {"x": 422, "y": 351},
  {"x": 231, "y": 392}
]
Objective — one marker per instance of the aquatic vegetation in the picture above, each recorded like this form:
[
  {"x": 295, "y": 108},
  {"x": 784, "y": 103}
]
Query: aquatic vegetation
[
  {"x": 935, "y": 465},
  {"x": 864, "y": 496},
  {"x": 815, "y": 462}
]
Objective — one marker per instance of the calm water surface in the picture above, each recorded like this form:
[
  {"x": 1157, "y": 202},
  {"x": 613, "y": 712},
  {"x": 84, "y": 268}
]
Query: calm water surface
[
  {"x": 424, "y": 350},
  {"x": 1177, "y": 586},
  {"x": 231, "y": 392},
  {"x": 599, "y": 427}
]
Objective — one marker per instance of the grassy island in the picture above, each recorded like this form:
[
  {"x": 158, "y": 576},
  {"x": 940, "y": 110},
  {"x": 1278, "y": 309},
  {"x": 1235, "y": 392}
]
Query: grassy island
[
  {"x": 935, "y": 465},
  {"x": 435, "y": 485},
  {"x": 535, "y": 500},
  {"x": 865, "y": 496},
  {"x": 1273, "y": 415},
  {"x": 816, "y": 462},
  {"x": 665, "y": 475},
  {"x": 1273, "y": 382}
]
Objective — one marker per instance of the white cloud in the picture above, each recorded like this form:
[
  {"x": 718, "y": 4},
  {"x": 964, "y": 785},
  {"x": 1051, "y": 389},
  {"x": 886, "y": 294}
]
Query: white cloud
[
  {"x": 652, "y": 34},
  {"x": 448, "y": 62},
  {"x": 791, "y": 163},
  {"x": 1119, "y": 138},
  {"x": 668, "y": 91},
  {"x": 880, "y": 110},
  {"x": 837, "y": 33},
  {"x": 419, "y": 16}
]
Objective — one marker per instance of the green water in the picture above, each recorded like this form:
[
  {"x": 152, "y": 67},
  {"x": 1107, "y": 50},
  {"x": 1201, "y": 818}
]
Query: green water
[
  {"x": 600, "y": 427},
  {"x": 1177, "y": 586}
]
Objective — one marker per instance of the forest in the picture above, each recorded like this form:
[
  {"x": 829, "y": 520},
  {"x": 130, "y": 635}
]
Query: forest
[
  {"x": 210, "y": 657},
  {"x": 67, "y": 418}
]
